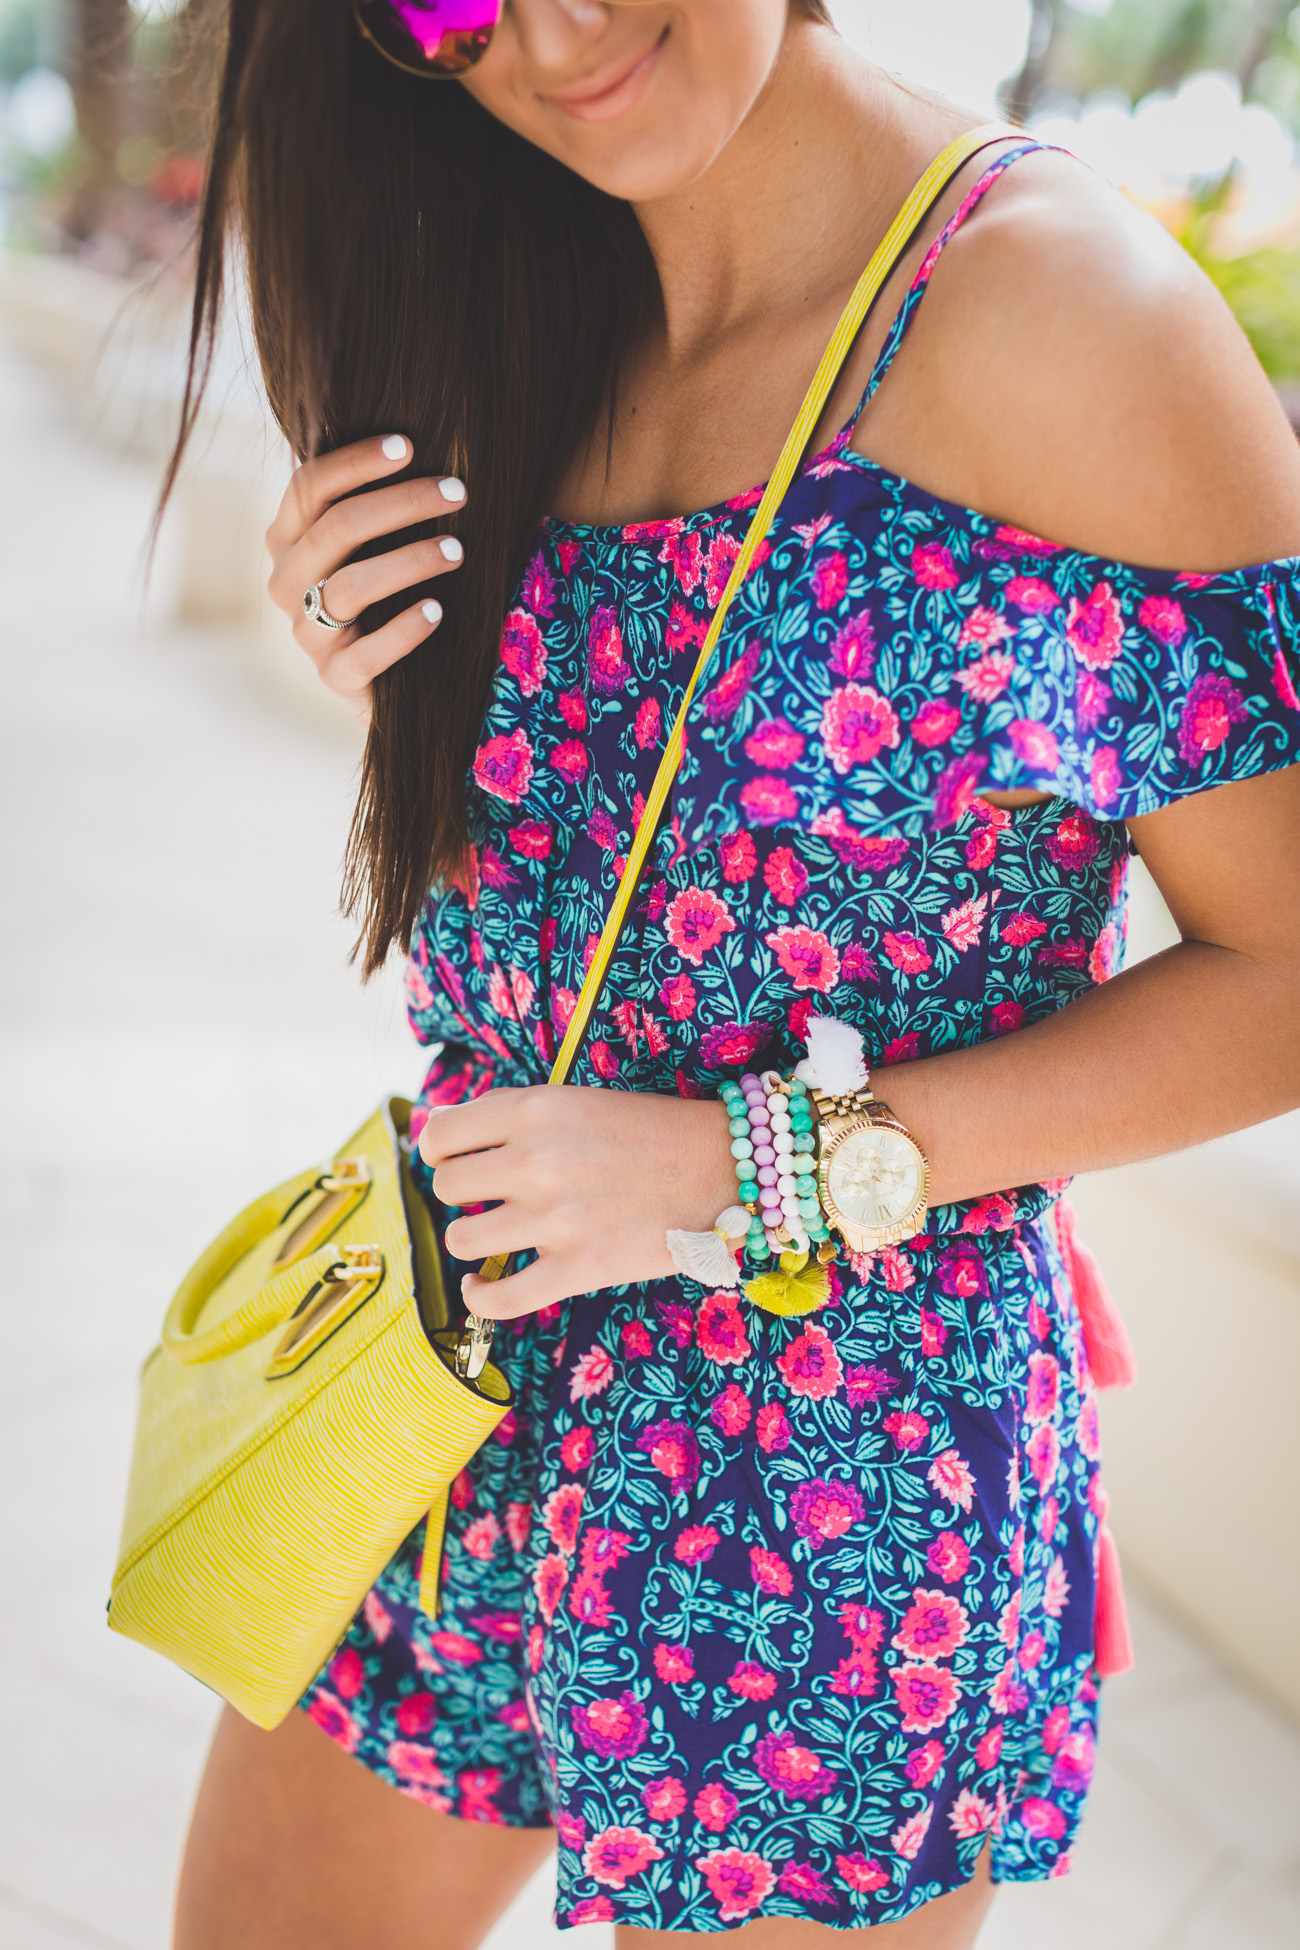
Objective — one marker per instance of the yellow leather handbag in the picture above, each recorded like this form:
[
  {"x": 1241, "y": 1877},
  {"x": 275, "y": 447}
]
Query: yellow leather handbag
[{"x": 311, "y": 1400}]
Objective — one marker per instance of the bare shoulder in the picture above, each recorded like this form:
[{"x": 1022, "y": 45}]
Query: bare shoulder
[{"x": 1074, "y": 373}]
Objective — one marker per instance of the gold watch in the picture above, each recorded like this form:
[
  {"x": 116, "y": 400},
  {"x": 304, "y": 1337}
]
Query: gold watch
[{"x": 872, "y": 1176}]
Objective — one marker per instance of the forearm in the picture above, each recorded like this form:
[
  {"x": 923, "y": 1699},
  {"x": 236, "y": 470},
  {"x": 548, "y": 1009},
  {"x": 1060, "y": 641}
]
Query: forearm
[{"x": 1185, "y": 1047}]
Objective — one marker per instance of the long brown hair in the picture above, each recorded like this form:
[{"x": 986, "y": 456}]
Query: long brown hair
[{"x": 413, "y": 267}]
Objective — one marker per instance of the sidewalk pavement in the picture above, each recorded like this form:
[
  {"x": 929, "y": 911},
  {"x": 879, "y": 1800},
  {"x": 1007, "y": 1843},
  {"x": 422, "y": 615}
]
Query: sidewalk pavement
[{"x": 180, "y": 1028}]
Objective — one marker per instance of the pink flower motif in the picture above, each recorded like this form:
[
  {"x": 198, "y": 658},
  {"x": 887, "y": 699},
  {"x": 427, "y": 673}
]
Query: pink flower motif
[
  {"x": 549, "y": 1579},
  {"x": 696, "y": 921},
  {"x": 617, "y": 1854},
  {"x": 539, "y": 586},
  {"x": 927, "y": 1696},
  {"x": 1075, "y": 843},
  {"x": 616, "y": 1728},
  {"x": 592, "y": 1909},
  {"x": 673, "y": 1449},
  {"x": 589, "y": 1602},
  {"x": 935, "y": 722},
  {"x": 909, "y": 1428},
  {"x": 571, "y": 1829},
  {"x": 378, "y": 1619},
  {"x": 952, "y": 1478},
  {"x": 774, "y": 744},
  {"x": 686, "y": 555},
  {"x": 1095, "y": 629},
  {"x": 989, "y": 677},
  {"x": 723, "y": 550},
  {"x": 857, "y": 724},
  {"x": 480, "y": 1537},
  {"x": 923, "y": 1763},
  {"x": 731, "y": 1411},
  {"x": 603, "y": 1060},
  {"x": 570, "y": 759},
  {"x": 1056, "y": 1589},
  {"x": 964, "y": 926},
  {"x": 1284, "y": 683},
  {"x": 519, "y": 1524},
  {"x": 1022, "y": 929},
  {"x": 1043, "y": 1453},
  {"x": 768, "y": 801},
  {"x": 823, "y": 1510},
  {"x": 1212, "y": 707},
  {"x": 771, "y": 1573},
  {"x": 532, "y": 838},
  {"x": 807, "y": 957},
  {"x": 413, "y": 1763},
  {"x": 573, "y": 709},
  {"x": 739, "y": 857},
  {"x": 562, "y": 1515},
  {"x": 772, "y": 1429},
  {"x": 663, "y": 1800},
  {"x": 933, "y": 1628},
  {"x": 592, "y": 1374},
  {"x": 786, "y": 876},
  {"x": 1034, "y": 596},
  {"x": 830, "y": 579},
  {"x": 1006, "y": 1017},
  {"x": 1043, "y": 1819},
  {"x": 956, "y": 788},
  {"x": 1074, "y": 1764},
  {"x": 720, "y": 1331},
  {"x": 714, "y": 1808},
  {"x": 792, "y": 1770},
  {"x": 1106, "y": 777},
  {"x": 606, "y": 663},
  {"x": 678, "y": 997},
  {"x": 1089, "y": 1429},
  {"x": 985, "y": 627},
  {"x": 750, "y": 1681},
  {"x": 856, "y": 849},
  {"x": 455, "y": 1646},
  {"x": 853, "y": 653},
  {"x": 523, "y": 653},
  {"x": 1035, "y": 744},
  {"x": 810, "y": 1366},
  {"x": 1165, "y": 618},
  {"x": 578, "y": 1448},
  {"x": 863, "y": 1873},
  {"x": 646, "y": 725},
  {"x": 675, "y": 1664},
  {"x": 989, "y": 1751},
  {"x": 504, "y": 767},
  {"x": 908, "y": 953},
  {"x": 870, "y": 1384},
  {"x": 347, "y": 1673},
  {"x": 739, "y": 1881},
  {"x": 908, "y": 1837},
  {"x": 802, "y": 1881},
  {"x": 971, "y": 1814},
  {"x": 934, "y": 567},
  {"x": 732, "y": 686},
  {"x": 696, "y": 1543},
  {"x": 416, "y": 1713},
  {"x": 1044, "y": 1392}
]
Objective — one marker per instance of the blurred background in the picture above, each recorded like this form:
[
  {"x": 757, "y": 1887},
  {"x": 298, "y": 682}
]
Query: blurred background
[{"x": 181, "y": 1026}]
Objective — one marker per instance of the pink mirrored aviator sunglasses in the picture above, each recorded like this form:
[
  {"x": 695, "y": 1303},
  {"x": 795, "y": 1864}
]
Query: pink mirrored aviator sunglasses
[{"x": 434, "y": 38}]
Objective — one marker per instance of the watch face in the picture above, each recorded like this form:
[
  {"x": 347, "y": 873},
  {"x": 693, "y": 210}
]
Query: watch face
[{"x": 875, "y": 1177}]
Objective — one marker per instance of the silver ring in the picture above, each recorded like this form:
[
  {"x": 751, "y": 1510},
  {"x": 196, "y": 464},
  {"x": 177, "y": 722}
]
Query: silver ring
[{"x": 313, "y": 608}]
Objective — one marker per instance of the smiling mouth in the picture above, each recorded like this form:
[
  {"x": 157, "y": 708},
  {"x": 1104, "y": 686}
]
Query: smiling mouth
[{"x": 612, "y": 91}]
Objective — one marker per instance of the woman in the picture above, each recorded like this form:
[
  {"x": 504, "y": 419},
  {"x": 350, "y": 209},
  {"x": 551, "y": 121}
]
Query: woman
[{"x": 784, "y": 1625}]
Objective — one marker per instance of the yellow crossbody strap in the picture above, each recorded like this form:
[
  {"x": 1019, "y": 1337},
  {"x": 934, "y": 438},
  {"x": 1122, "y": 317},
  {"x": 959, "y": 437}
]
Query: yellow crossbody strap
[{"x": 869, "y": 286}]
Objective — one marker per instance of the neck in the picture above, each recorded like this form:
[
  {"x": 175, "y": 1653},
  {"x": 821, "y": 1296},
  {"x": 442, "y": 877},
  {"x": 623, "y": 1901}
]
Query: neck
[{"x": 817, "y": 156}]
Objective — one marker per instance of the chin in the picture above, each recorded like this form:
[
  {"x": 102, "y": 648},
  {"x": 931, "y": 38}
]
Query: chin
[{"x": 642, "y": 167}]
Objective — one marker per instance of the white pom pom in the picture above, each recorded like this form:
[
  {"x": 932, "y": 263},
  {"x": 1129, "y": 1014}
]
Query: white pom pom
[
  {"x": 836, "y": 1060},
  {"x": 733, "y": 1223},
  {"x": 705, "y": 1257}
]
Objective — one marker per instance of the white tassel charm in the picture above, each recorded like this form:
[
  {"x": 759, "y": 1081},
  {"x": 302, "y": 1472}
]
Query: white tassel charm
[
  {"x": 836, "y": 1063},
  {"x": 710, "y": 1257}
]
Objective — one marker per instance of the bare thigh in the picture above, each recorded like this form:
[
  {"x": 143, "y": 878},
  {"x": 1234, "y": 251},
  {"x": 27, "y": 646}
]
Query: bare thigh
[
  {"x": 296, "y": 1846},
  {"x": 949, "y": 1923}
]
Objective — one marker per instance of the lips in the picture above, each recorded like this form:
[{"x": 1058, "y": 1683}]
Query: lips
[{"x": 611, "y": 90}]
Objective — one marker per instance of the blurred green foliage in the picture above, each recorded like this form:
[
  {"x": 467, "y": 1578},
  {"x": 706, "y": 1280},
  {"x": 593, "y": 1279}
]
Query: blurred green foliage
[
  {"x": 1261, "y": 286},
  {"x": 1141, "y": 45}
]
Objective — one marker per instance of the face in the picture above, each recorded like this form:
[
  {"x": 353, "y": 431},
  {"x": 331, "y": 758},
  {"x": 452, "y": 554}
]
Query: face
[{"x": 638, "y": 99}]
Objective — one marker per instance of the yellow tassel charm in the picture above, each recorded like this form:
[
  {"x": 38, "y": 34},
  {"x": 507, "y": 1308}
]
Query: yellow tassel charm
[{"x": 799, "y": 1288}]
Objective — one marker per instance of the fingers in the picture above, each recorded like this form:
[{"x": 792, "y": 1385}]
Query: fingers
[
  {"x": 505, "y": 1228},
  {"x": 353, "y": 588},
  {"x": 348, "y": 663},
  {"x": 318, "y": 483},
  {"x": 523, "y": 1293},
  {"x": 489, "y": 1120}
]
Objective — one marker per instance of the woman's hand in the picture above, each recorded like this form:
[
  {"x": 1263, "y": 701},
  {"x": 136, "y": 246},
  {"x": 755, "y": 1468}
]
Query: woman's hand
[
  {"x": 590, "y": 1179},
  {"x": 316, "y": 530}
]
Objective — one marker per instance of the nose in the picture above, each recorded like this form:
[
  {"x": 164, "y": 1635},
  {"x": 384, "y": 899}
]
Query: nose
[{"x": 552, "y": 32}]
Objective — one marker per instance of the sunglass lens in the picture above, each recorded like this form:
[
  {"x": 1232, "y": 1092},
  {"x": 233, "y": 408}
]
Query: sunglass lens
[{"x": 430, "y": 36}]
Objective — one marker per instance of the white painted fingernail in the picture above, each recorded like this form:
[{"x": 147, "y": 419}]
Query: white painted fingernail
[
  {"x": 452, "y": 489},
  {"x": 394, "y": 447},
  {"x": 431, "y": 612},
  {"x": 451, "y": 549}
]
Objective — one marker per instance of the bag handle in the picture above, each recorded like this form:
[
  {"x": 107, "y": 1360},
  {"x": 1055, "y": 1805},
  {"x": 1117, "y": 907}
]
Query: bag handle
[
  {"x": 271, "y": 1304},
  {"x": 868, "y": 288}
]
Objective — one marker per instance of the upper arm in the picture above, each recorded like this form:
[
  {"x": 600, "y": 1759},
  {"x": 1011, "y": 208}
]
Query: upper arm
[{"x": 1080, "y": 378}]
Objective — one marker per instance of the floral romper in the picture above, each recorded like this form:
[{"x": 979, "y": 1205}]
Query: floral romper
[{"x": 775, "y": 1617}]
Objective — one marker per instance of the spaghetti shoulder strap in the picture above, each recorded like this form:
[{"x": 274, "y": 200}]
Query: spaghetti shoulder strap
[{"x": 921, "y": 284}]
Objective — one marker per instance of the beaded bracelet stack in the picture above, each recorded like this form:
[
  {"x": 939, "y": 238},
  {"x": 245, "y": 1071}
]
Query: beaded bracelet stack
[{"x": 771, "y": 1124}]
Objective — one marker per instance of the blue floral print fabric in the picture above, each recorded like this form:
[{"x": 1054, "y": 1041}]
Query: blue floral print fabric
[{"x": 796, "y": 1617}]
